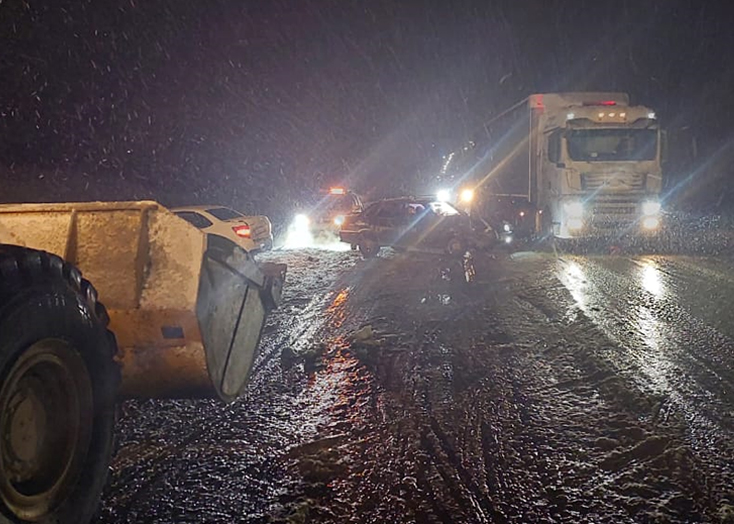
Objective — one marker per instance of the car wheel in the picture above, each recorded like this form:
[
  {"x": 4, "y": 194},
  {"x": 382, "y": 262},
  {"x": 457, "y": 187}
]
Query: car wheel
[
  {"x": 455, "y": 246},
  {"x": 58, "y": 384},
  {"x": 368, "y": 247}
]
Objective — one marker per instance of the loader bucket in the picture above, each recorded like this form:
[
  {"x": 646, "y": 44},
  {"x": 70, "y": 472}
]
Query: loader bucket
[{"x": 187, "y": 308}]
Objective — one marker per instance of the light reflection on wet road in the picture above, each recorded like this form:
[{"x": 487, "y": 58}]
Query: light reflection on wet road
[
  {"x": 670, "y": 340},
  {"x": 554, "y": 390}
]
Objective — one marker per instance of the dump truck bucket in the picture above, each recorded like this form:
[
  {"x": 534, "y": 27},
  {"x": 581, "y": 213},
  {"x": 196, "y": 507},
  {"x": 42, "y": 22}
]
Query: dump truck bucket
[{"x": 187, "y": 308}]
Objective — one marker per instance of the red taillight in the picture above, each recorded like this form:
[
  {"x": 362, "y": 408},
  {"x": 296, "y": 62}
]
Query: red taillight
[{"x": 242, "y": 231}]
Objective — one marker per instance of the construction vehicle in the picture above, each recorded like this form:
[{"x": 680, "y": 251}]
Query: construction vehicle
[
  {"x": 566, "y": 165},
  {"x": 182, "y": 318}
]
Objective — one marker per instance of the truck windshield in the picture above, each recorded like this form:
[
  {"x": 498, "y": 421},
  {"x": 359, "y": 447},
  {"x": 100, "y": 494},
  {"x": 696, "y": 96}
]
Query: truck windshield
[{"x": 612, "y": 145}]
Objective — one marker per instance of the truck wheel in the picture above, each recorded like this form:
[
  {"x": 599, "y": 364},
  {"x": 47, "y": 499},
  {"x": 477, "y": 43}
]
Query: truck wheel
[
  {"x": 58, "y": 383},
  {"x": 368, "y": 247}
]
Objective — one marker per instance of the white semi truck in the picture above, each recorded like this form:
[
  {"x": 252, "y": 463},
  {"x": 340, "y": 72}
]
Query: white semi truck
[{"x": 570, "y": 165}]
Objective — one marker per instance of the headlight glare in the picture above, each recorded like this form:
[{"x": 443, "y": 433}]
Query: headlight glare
[
  {"x": 650, "y": 222},
  {"x": 443, "y": 195},
  {"x": 467, "y": 195},
  {"x": 650, "y": 208},
  {"x": 574, "y": 209},
  {"x": 302, "y": 221},
  {"x": 575, "y": 223}
]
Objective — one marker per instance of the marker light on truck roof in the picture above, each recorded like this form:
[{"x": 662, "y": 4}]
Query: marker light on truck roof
[
  {"x": 336, "y": 190},
  {"x": 600, "y": 103}
]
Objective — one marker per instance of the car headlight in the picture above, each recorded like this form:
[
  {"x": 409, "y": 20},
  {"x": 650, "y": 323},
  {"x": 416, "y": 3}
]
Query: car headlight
[
  {"x": 443, "y": 195},
  {"x": 651, "y": 208},
  {"x": 506, "y": 227},
  {"x": 467, "y": 195},
  {"x": 339, "y": 220},
  {"x": 574, "y": 209}
]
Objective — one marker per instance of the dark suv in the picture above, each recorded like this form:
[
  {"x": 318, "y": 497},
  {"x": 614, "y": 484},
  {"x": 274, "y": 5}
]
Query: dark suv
[{"x": 408, "y": 223}]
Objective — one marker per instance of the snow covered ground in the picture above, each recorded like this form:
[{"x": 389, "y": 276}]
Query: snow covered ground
[{"x": 572, "y": 389}]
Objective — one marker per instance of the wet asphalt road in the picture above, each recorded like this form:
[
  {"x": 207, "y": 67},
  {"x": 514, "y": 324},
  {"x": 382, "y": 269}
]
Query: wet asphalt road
[{"x": 552, "y": 389}]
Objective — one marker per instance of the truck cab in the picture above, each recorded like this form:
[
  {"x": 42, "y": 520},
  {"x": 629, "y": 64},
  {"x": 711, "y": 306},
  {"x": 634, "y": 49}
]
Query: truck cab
[{"x": 597, "y": 164}]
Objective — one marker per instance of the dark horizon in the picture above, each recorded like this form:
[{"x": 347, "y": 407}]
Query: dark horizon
[{"x": 250, "y": 104}]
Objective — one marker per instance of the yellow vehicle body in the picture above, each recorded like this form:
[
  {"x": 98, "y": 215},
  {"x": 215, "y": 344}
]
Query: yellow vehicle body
[{"x": 187, "y": 309}]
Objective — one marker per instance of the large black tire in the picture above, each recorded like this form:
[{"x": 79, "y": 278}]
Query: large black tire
[
  {"x": 368, "y": 246},
  {"x": 58, "y": 384}
]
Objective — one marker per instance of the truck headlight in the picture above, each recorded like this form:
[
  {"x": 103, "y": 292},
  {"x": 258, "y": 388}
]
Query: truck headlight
[
  {"x": 575, "y": 223},
  {"x": 443, "y": 195},
  {"x": 338, "y": 220},
  {"x": 651, "y": 208},
  {"x": 650, "y": 222},
  {"x": 574, "y": 209}
]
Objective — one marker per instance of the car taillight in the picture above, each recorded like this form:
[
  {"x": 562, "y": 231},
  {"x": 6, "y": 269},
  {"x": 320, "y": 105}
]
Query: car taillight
[{"x": 242, "y": 231}]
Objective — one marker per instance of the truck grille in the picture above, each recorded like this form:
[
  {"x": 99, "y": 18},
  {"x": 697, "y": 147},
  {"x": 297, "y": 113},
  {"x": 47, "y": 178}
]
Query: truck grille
[
  {"x": 613, "y": 181},
  {"x": 612, "y": 213}
]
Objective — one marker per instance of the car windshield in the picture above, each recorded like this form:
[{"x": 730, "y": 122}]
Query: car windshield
[
  {"x": 612, "y": 145},
  {"x": 443, "y": 209},
  {"x": 224, "y": 213}
]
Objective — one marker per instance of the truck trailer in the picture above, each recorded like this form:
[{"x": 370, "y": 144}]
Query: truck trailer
[{"x": 566, "y": 165}]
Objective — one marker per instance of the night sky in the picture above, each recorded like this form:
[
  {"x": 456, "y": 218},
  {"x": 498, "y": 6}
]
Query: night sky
[{"x": 259, "y": 104}]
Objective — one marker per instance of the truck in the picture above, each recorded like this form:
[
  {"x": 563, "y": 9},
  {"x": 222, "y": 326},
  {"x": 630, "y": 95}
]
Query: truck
[
  {"x": 566, "y": 166},
  {"x": 182, "y": 318}
]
